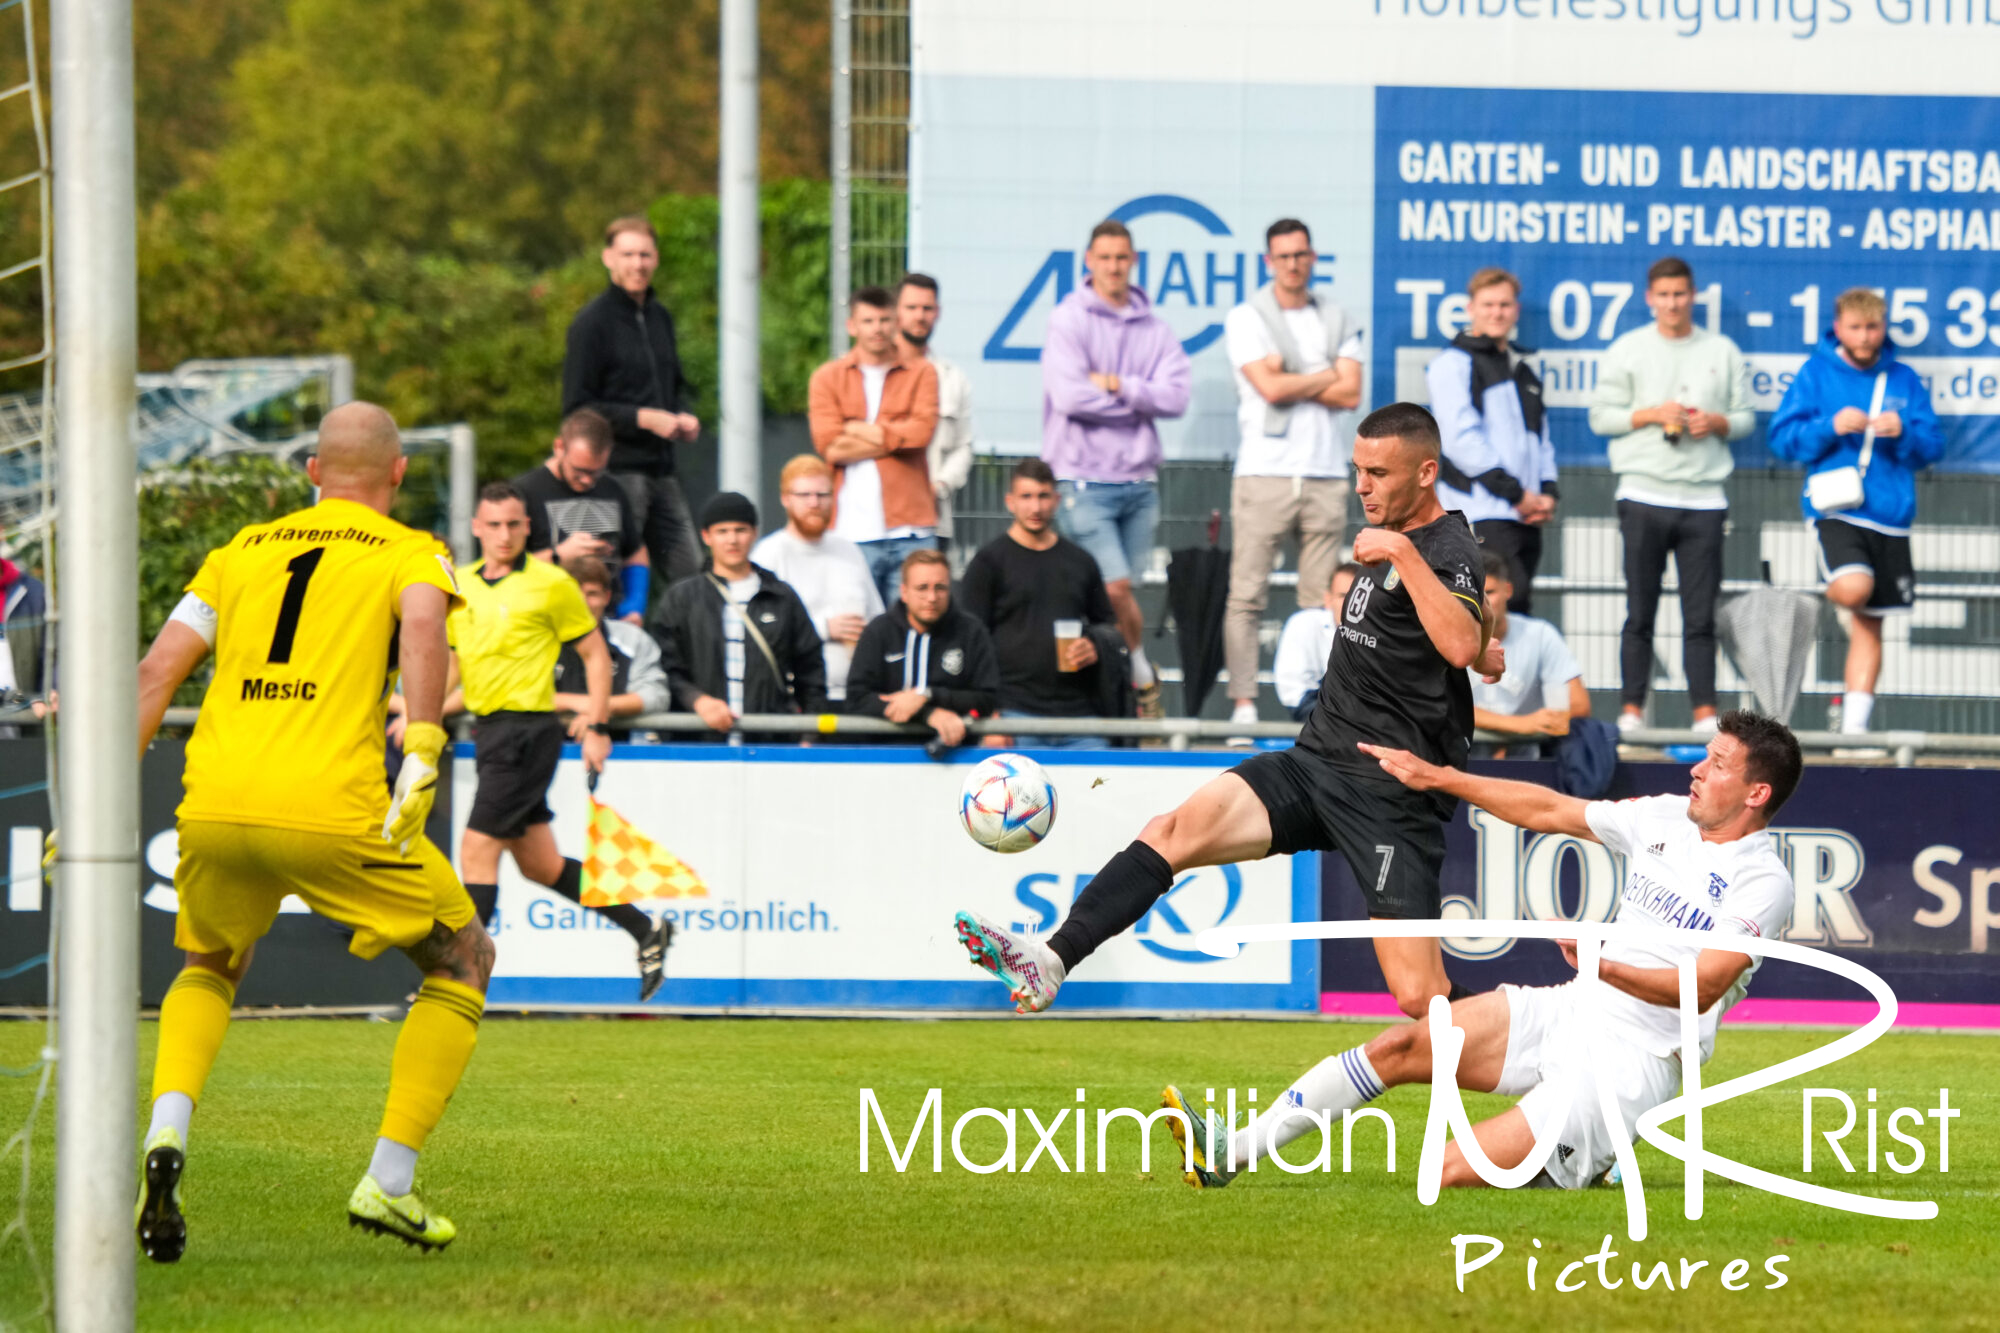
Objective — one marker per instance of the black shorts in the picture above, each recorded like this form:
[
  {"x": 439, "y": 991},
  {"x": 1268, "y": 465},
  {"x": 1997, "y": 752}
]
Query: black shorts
[
  {"x": 1848, "y": 548},
  {"x": 515, "y": 755},
  {"x": 1391, "y": 836}
]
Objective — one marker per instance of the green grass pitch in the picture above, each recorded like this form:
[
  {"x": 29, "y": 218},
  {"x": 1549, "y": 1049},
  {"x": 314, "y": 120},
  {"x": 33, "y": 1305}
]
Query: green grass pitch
[{"x": 704, "y": 1173}]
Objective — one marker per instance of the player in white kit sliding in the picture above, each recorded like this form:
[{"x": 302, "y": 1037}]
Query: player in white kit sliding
[{"x": 1701, "y": 862}]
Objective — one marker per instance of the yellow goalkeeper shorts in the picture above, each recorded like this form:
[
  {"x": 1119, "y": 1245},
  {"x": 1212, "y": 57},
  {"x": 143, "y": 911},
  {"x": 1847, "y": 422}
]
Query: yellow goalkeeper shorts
[{"x": 233, "y": 876}]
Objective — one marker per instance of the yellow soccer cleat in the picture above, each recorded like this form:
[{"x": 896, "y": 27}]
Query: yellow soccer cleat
[
  {"x": 157, "y": 1218},
  {"x": 405, "y": 1218}
]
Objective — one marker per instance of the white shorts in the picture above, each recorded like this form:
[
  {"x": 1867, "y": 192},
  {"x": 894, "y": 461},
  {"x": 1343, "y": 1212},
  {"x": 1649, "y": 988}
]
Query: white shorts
[{"x": 1556, "y": 1059}]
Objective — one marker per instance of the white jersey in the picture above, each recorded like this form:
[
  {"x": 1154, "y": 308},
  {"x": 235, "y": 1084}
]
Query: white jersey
[{"x": 1673, "y": 877}]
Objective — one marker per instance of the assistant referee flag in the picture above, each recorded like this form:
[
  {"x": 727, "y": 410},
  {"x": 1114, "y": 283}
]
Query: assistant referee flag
[{"x": 623, "y": 865}]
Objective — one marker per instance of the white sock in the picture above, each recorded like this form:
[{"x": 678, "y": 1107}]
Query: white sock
[
  {"x": 1142, "y": 670},
  {"x": 1245, "y": 711},
  {"x": 171, "y": 1110},
  {"x": 1854, "y": 711},
  {"x": 394, "y": 1167},
  {"x": 1338, "y": 1083}
]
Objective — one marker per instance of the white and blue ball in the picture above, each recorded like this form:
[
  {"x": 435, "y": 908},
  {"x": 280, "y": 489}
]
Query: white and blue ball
[{"x": 1008, "y": 803}]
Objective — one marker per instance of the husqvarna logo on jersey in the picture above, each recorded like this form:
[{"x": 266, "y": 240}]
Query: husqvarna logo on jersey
[
  {"x": 1357, "y": 599},
  {"x": 1189, "y": 262}
]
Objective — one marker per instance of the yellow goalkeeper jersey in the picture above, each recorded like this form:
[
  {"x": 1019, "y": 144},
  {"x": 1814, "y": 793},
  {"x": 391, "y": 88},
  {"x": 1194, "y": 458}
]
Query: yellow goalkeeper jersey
[{"x": 308, "y": 609}]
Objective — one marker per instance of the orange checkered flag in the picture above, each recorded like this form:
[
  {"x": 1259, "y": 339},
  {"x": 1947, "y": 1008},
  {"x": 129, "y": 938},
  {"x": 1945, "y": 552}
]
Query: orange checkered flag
[{"x": 623, "y": 865}]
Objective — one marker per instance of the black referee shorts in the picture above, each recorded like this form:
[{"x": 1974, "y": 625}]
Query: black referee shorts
[
  {"x": 1390, "y": 835},
  {"x": 515, "y": 755}
]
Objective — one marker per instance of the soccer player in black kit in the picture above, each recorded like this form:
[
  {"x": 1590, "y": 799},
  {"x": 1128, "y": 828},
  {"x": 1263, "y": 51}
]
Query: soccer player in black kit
[{"x": 1396, "y": 676}]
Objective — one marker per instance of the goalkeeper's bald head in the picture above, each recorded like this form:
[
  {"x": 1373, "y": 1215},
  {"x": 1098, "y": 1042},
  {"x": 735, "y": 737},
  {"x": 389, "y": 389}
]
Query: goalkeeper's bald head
[{"x": 359, "y": 455}]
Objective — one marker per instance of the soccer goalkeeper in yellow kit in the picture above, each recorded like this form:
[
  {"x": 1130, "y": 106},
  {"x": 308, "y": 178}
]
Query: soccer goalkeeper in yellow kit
[{"x": 308, "y": 616}]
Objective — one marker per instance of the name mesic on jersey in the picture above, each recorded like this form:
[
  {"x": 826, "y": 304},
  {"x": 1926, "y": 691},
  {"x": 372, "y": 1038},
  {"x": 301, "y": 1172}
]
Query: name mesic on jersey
[{"x": 279, "y": 691}]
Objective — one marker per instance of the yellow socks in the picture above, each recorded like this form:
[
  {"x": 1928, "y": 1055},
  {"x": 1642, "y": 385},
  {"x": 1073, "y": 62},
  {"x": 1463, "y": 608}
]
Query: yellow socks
[
  {"x": 194, "y": 1018},
  {"x": 431, "y": 1055}
]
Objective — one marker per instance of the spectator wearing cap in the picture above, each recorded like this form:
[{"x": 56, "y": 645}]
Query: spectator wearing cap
[
  {"x": 1303, "y": 647},
  {"x": 576, "y": 510},
  {"x": 622, "y": 360},
  {"x": 924, "y": 660},
  {"x": 826, "y": 570},
  {"x": 1498, "y": 465},
  {"x": 736, "y": 639},
  {"x": 638, "y": 677},
  {"x": 872, "y": 414},
  {"x": 1542, "y": 692},
  {"x": 1110, "y": 369}
]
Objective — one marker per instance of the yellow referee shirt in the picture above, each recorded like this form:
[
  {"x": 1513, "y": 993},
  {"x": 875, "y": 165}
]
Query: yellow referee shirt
[
  {"x": 308, "y": 608},
  {"x": 508, "y": 634}
]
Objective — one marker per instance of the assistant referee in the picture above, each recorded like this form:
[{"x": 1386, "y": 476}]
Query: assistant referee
[{"x": 519, "y": 612}]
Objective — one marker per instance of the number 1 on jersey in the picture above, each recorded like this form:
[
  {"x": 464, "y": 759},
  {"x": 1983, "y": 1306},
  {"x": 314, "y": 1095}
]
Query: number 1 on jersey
[{"x": 301, "y": 569}]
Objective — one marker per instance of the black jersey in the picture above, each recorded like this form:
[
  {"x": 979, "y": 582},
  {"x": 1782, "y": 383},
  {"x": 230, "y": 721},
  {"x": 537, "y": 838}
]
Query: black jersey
[{"x": 1386, "y": 683}]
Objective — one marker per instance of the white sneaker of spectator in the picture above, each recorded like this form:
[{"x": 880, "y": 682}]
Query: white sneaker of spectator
[{"x": 1244, "y": 714}]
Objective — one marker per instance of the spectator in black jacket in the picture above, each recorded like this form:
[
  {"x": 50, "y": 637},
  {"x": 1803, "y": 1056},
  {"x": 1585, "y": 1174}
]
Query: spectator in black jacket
[
  {"x": 622, "y": 360},
  {"x": 1020, "y": 585},
  {"x": 924, "y": 660},
  {"x": 736, "y": 638}
]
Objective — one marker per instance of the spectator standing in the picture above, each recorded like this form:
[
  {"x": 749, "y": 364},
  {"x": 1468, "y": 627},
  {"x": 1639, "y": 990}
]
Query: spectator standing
[
  {"x": 924, "y": 660},
  {"x": 1304, "y": 645},
  {"x": 1671, "y": 396},
  {"x": 638, "y": 677},
  {"x": 1853, "y": 405},
  {"x": 872, "y": 415},
  {"x": 1499, "y": 465},
  {"x": 736, "y": 638},
  {"x": 575, "y": 510},
  {"x": 950, "y": 455},
  {"x": 623, "y": 361},
  {"x": 1298, "y": 365},
  {"x": 826, "y": 570},
  {"x": 24, "y": 611},
  {"x": 1542, "y": 691},
  {"x": 1019, "y": 586},
  {"x": 1110, "y": 368}
]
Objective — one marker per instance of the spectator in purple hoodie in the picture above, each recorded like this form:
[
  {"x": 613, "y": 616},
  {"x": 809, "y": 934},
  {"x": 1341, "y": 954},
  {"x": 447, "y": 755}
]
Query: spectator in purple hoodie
[{"x": 1110, "y": 366}]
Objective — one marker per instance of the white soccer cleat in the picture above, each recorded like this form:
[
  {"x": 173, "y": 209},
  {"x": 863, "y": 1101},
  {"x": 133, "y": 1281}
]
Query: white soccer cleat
[{"x": 1030, "y": 971}]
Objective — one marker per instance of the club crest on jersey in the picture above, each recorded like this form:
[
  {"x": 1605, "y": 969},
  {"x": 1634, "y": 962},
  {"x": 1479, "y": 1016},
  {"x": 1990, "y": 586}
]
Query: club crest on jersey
[
  {"x": 1389, "y": 583},
  {"x": 1357, "y": 599},
  {"x": 952, "y": 662},
  {"x": 1717, "y": 886}
]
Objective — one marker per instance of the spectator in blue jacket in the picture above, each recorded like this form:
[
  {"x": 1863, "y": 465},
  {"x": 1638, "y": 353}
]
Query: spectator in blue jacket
[
  {"x": 1854, "y": 405},
  {"x": 1498, "y": 467}
]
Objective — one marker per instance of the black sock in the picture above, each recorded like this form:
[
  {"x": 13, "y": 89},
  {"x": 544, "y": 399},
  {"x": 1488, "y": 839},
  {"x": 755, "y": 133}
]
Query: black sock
[
  {"x": 1130, "y": 883},
  {"x": 485, "y": 898},
  {"x": 623, "y": 915}
]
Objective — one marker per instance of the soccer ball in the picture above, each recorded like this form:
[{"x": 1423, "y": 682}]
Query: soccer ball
[{"x": 1008, "y": 803}]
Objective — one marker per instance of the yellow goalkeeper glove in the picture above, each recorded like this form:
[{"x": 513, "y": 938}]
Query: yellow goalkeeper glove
[{"x": 416, "y": 785}]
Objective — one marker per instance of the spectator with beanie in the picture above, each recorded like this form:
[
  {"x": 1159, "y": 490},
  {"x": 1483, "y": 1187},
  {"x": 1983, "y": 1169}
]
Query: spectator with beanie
[
  {"x": 925, "y": 660},
  {"x": 1110, "y": 369},
  {"x": 576, "y": 511},
  {"x": 638, "y": 678},
  {"x": 826, "y": 570},
  {"x": 736, "y": 638},
  {"x": 950, "y": 454},
  {"x": 1499, "y": 464},
  {"x": 1861, "y": 422},
  {"x": 622, "y": 360},
  {"x": 1298, "y": 372},
  {"x": 872, "y": 415},
  {"x": 1019, "y": 586},
  {"x": 1671, "y": 396}
]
